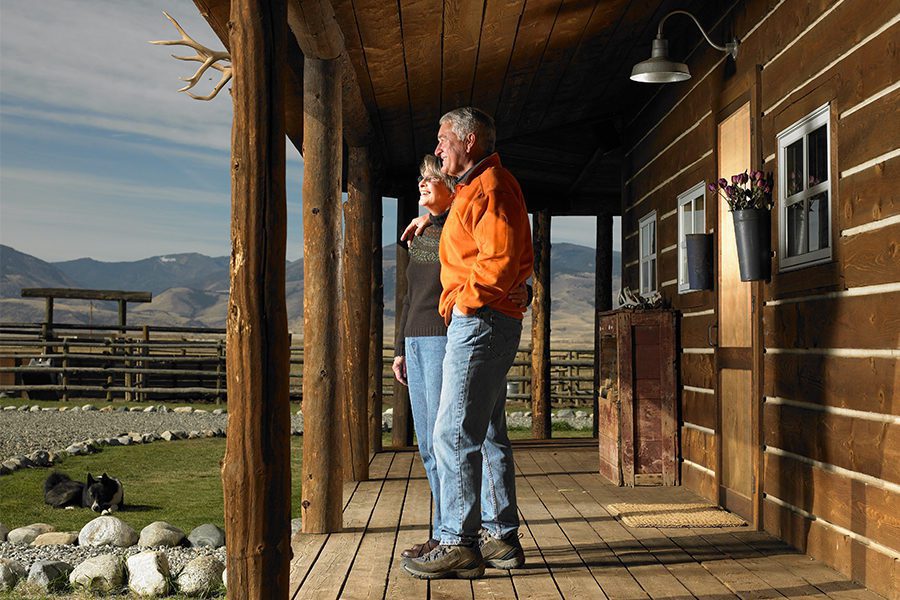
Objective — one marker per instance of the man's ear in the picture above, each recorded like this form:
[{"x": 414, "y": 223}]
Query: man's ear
[{"x": 470, "y": 142}]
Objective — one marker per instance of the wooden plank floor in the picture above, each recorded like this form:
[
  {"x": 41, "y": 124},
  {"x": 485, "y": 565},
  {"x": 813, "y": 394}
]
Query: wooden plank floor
[{"x": 574, "y": 548}]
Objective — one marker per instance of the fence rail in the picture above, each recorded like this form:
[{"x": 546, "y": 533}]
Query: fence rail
[{"x": 142, "y": 363}]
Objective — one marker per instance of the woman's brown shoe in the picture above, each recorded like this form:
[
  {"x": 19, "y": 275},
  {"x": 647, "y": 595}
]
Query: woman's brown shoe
[{"x": 420, "y": 549}]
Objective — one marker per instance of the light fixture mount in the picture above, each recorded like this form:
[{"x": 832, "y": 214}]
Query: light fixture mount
[{"x": 660, "y": 69}]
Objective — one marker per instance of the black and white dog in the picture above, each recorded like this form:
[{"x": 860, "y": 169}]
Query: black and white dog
[{"x": 103, "y": 495}]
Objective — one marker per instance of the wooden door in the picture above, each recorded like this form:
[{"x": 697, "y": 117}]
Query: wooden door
[{"x": 734, "y": 352}]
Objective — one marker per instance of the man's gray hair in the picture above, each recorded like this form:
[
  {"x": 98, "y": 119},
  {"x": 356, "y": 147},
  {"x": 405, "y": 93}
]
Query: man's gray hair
[{"x": 469, "y": 119}]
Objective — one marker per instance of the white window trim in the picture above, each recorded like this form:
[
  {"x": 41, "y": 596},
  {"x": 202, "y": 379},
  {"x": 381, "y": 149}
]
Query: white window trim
[
  {"x": 686, "y": 198},
  {"x": 648, "y": 220},
  {"x": 799, "y": 130}
]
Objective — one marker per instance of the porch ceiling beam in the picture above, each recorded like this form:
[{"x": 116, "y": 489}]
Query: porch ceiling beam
[{"x": 319, "y": 36}]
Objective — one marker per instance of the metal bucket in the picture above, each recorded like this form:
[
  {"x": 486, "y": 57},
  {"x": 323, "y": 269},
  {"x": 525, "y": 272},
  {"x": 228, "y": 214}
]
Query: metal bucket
[
  {"x": 699, "y": 248},
  {"x": 752, "y": 234}
]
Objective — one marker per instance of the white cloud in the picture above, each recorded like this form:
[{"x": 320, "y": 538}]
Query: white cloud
[{"x": 88, "y": 61}]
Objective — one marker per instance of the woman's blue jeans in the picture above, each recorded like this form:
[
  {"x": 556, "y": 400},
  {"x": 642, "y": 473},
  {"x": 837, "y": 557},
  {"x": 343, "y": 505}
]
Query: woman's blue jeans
[
  {"x": 424, "y": 363},
  {"x": 471, "y": 443}
]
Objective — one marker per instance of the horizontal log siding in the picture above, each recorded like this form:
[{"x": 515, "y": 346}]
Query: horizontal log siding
[{"x": 834, "y": 350}]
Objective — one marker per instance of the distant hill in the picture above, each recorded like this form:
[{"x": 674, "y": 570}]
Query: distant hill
[
  {"x": 154, "y": 274},
  {"x": 19, "y": 270},
  {"x": 192, "y": 289}
]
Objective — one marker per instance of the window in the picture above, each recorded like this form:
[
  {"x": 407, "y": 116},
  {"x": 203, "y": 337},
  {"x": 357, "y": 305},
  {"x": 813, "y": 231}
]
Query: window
[
  {"x": 647, "y": 228},
  {"x": 691, "y": 219},
  {"x": 804, "y": 191}
]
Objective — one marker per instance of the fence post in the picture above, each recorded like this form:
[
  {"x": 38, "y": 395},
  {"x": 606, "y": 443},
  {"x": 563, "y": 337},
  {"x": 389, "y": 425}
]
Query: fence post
[
  {"x": 65, "y": 373},
  {"x": 220, "y": 357},
  {"x": 127, "y": 351},
  {"x": 109, "y": 378},
  {"x": 145, "y": 351}
]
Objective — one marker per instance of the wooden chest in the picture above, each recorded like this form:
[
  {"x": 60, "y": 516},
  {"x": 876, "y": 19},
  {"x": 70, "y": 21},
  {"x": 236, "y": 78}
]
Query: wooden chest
[{"x": 637, "y": 404}]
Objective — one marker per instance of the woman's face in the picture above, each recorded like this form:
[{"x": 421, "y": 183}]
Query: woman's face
[{"x": 434, "y": 195}]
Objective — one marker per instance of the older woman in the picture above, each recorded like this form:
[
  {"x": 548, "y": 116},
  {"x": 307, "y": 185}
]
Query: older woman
[{"x": 421, "y": 335}]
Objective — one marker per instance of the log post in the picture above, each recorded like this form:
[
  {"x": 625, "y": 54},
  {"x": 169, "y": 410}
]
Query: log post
[
  {"x": 323, "y": 150},
  {"x": 256, "y": 477},
  {"x": 401, "y": 432},
  {"x": 376, "y": 330},
  {"x": 541, "y": 426},
  {"x": 355, "y": 310},
  {"x": 602, "y": 298},
  {"x": 123, "y": 315}
]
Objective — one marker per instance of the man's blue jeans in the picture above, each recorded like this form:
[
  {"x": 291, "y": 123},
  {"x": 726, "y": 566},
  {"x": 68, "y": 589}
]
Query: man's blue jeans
[
  {"x": 424, "y": 363},
  {"x": 471, "y": 443}
]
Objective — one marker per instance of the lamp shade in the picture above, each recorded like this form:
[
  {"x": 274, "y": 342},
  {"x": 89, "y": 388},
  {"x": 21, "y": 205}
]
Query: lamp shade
[{"x": 658, "y": 68}]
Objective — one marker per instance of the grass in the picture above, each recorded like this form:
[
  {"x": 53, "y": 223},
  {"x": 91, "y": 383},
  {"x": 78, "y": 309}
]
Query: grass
[{"x": 178, "y": 482}]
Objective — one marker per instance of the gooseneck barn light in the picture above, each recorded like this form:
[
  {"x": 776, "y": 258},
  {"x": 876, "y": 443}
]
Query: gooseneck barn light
[{"x": 660, "y": 69}]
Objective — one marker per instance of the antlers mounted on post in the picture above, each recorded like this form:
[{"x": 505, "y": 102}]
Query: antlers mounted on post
[{"x": 209, "y": 58}]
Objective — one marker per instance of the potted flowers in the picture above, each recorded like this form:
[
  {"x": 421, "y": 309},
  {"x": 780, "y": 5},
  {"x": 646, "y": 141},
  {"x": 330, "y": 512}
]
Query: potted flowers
[{"x": 749, "y": 198}]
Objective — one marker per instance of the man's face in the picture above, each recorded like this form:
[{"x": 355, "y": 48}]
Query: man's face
[{"x": 453, "y": 152}]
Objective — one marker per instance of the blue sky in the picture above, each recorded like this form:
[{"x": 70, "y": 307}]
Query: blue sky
[{"x": 100, "y": 157}]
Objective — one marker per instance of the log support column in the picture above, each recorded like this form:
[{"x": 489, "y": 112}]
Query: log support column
[
  {"x": 256, "y": 473},
  {"x": 602, "y": 297},
  {"x": 401, "y": 434},
  {"x": 322, "y": 144},
  {"x": 376, "y": 329},
  {"x": 355, "y": 309},
  {"x": 541, "y": 427}
]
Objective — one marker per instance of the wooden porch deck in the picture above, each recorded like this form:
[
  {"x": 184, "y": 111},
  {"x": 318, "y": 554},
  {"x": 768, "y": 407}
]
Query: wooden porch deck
[{"x": 573, "y": 547}]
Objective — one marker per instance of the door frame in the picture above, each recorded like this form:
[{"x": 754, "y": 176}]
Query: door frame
[{"x": 731, "y": 98}]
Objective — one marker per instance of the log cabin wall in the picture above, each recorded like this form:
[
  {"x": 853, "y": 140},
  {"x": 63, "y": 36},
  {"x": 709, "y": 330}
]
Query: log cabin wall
[{"x": 830, "y": 393}]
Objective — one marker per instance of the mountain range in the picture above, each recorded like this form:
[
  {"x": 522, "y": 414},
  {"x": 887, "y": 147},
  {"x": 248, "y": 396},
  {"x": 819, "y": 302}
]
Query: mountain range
[{"x": 192, "y": 289}]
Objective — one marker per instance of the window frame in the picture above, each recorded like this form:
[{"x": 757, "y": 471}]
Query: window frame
[
  {"x": 685, "y": 198},
  {"x": 800, "y": 131},
  {"x": 648, "y": 221}
]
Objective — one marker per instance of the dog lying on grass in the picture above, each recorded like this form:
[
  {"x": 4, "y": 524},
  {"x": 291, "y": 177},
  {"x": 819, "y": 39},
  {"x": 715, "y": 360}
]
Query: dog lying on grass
[{"x": 103, "y": 495}]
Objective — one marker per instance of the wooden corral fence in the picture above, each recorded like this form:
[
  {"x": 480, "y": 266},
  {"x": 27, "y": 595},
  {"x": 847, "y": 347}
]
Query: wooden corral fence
[{"x": 154, "y": 362}]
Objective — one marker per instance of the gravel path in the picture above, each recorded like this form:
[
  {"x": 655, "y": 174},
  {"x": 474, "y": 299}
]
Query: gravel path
[{"x": 26, "y": 432}]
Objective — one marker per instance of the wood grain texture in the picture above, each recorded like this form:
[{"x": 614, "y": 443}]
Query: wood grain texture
[
  {"x": 854, "y": 505},
  {"x": 501, "y": 21},
  {"x": 256, "y": 477},
  {"x": 871, "y": 258},
  {"x": 873, "y": 569},
  {"x": 698, "y": 370},
  {"x": 355, "y": 312},
  {"x": 422, "y": 25},
  {"x": 376, "y": 328},
  {"x": 535, "y": 26},
  {"x": 850, "y": 22},
  {"x": 603, "y": 300},
  {"x": 700, "y": 482},
  {"x": 868, "y": 447},
  {"x": 698, "y": 409},
  {"x": 541, "y": 427},
  {"x": 322, "y": 471},
  {"x": 866, "y": 384},
  {"x": 869, "y": 195},
  {"x": 383, "y": 52},
  {"x": 402, "y": 425},
  {"x": 850, "y": 322},
  {"x": 572, "y": 20}
]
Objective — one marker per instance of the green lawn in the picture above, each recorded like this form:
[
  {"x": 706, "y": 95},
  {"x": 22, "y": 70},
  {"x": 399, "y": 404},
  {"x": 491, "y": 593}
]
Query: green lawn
[{"x": 177, "y": 482}]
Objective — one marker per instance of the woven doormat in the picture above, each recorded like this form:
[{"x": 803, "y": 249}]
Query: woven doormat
[{"x": 674, "y": 515}]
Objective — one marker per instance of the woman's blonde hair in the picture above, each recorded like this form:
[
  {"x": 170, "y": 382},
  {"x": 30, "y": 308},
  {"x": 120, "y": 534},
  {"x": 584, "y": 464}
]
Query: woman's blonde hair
[{"x": 431, "y": 167}]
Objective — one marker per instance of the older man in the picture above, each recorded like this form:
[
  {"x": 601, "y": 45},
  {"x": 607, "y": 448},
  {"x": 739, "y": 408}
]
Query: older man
[{"x": 485, "y": 252}]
